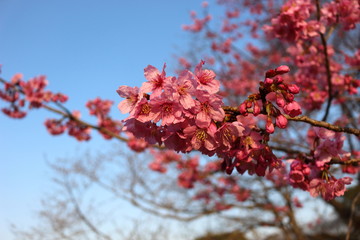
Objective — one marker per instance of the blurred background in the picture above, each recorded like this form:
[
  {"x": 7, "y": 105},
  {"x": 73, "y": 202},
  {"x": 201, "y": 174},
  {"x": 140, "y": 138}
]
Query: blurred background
[{"x": 86, "y": 49}]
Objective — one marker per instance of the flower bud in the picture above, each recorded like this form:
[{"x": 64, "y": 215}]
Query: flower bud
[
  {"x": 269, "y": 126},
  {"x": 268, "y": 81},
  {"x": 293, "y": 89},
  {"x": 288, "y": 96},
  {"x": 280, "y": 101},
  {"x": 271, "y": 73},
  {"x": 282, "y": 69},
  {"x": 293, "y": 109},
  {"x": 256, "y": 109},
  {"x": 281, "y": 121},
  {"x": 242, "y": 108}
]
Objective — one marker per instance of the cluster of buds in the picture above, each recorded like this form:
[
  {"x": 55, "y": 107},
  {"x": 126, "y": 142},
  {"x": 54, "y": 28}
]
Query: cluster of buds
[{"x": 273, "y": 89}]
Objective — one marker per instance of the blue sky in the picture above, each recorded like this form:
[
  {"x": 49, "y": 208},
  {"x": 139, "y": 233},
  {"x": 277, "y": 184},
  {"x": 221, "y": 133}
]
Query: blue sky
[{"x": 86, "y": 48}]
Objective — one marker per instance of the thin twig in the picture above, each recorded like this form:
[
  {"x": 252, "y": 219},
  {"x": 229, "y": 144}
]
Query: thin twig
[
  {"x": 327, "y": 64},
  {"x": 84, "y": 219}
]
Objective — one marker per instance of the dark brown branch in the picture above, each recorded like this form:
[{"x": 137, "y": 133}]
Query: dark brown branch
[
  {"x": 327, "y": 64},
  {"x": 353, "y": 162},
  {"x": 313, "y": 122},
  {"x": 323, "y": 124}
]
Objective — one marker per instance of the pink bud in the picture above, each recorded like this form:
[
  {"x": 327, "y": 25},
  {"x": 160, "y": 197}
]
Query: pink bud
[
  {"x": 268, "y": 81},
  {"x": 242, "y": 108},
  {"x": 280, "y": 101},
  {"x": 293, "y": 109},
  {"x": 269, "y": 126},
  {"x": 281, "y": 121},
  {"x": 282, "y": 69}
]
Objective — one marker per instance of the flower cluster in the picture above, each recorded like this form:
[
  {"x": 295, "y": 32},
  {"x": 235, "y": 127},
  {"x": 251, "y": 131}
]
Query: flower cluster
[
  {"x": 101, "y": 109},
  {"x": 58, "y": 126},
  {"x": 198, "y": 24},
  {"x": 314, "y": 176},
  {"x": 32, "y": 94},
  {"x": 347, "y": 12},
  {"x": 180, "y": 112},
  {"x": 18, "y": 92},
  {"x": 81, "y": 131},
  {"x": 329, "y": 188},
  {"x": 185, "y": 113},
  {"x": 293, "y": 22}
]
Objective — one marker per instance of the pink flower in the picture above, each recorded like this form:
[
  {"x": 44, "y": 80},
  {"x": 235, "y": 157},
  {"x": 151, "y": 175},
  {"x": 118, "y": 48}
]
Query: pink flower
[
  {"x": 157, "y": 166},
  {"x": 299, "y": 175},
  {"x": 209, "y": 109},
  {"x": 79, "y": 131},
  {"x": 132, "y": 97},
  {"x": 182, "y": 89},
  {"x": 324, "y": 133},
  {"x": 206, "y": 79},
  {"x": 136, "y": 144},
  {"x": 296, "y": 176},
  {"x": 228, "y": 133},
  {"x": 14, "y": 112},
  {"x": 146, "y": 130},
  {"x": 156, "y": 81},
  {"x": 339, "y": 186},
  {"x": 143, "y": 111},
  {"x": 319, "y": 187},
  {"x": 186, "y": 179},
  {"x": 59, "y": 97},
  {"x": 198, "y": 23},
  {"x": 34, "y": 91},
  {"x": 55, "y": 127},
  {"x": 325, "y": 151},
  {"x": 329, "y": 189},
  {"x": 99, "y": 107},
  {"x": 201, "y": 137},
  {"x": 169, "y": 112}
]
